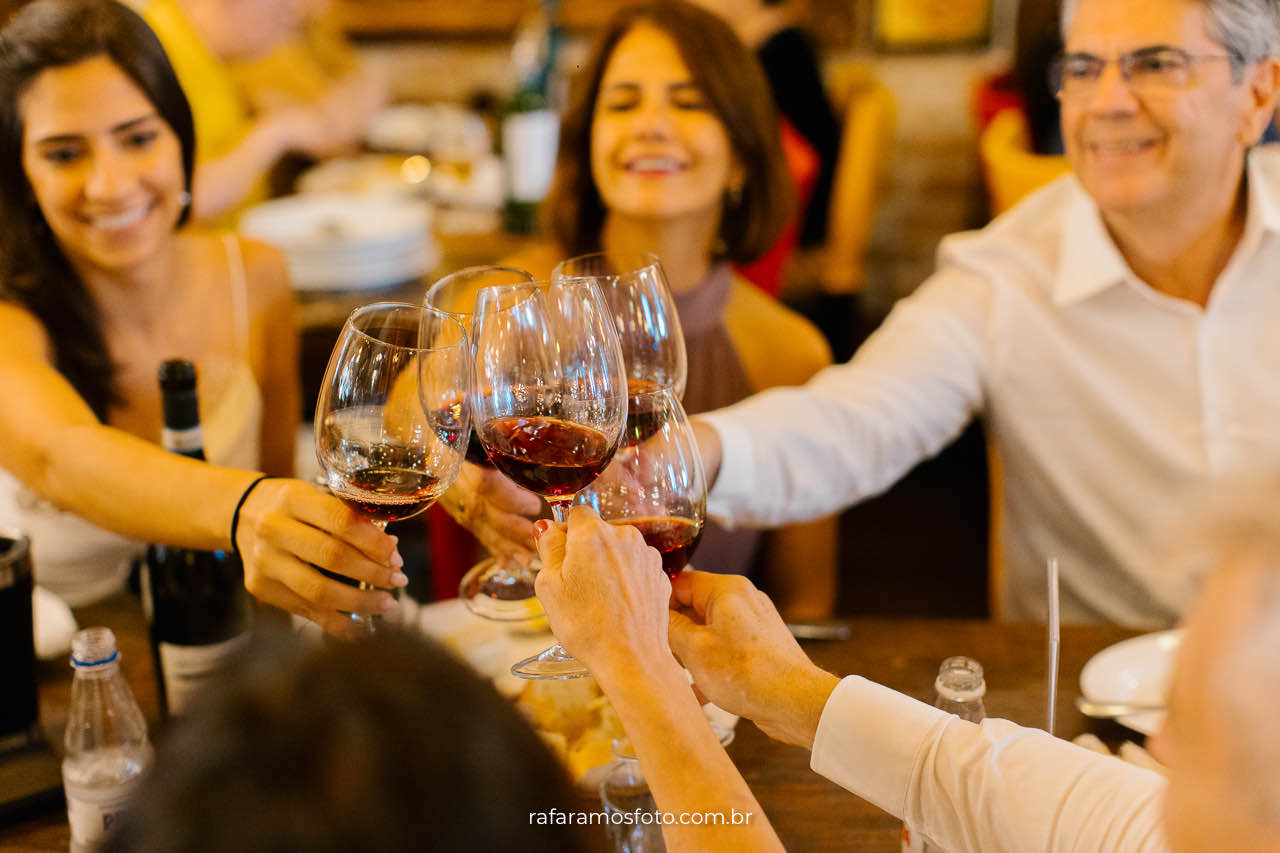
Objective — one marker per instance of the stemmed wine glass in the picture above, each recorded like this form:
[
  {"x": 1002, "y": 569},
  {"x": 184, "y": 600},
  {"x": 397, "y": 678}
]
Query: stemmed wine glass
[
  {"x": 384, "y": 453},
  {"x": 498, "y": 587},
  {"x": 635, "y": 289},
  {"x": 655, "y": 483},
  {"x": 550, "y": 401}
]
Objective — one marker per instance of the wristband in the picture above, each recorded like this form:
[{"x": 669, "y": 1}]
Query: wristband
[{"x": 235, "y": 516}]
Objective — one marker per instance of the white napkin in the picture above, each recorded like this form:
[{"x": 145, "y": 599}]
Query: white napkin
[{"x": 54, "y": 624}]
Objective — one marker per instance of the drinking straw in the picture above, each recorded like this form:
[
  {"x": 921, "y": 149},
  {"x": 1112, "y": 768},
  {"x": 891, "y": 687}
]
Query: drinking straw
[{"x": 1054, "y": 634}]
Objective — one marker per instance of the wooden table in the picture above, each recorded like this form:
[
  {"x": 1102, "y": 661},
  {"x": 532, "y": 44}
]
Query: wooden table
[{"x": 809, "y": 813}]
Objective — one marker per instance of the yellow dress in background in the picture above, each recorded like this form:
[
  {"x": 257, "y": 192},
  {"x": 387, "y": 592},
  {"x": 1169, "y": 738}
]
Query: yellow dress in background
[
  {"x": 222, "y": 114},
  {"x": 302, "y": 69}
]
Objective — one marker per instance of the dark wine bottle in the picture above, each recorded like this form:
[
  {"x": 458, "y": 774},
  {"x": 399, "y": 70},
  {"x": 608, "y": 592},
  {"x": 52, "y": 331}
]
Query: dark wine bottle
[{"x": 198, "y": 609}]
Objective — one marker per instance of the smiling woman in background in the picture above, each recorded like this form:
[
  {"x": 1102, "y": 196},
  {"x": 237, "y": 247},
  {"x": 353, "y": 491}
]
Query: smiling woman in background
[
  {"x": 670, "y": 146},
  {"x": 96, "y": 289}
]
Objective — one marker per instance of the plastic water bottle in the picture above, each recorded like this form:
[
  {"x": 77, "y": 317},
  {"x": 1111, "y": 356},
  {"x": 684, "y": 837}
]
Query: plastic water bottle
[
  {"x": 107, "y": 746},
  {"x": 960, "y": 687}
]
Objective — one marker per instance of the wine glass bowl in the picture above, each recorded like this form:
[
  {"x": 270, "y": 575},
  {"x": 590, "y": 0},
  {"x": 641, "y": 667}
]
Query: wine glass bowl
[
  {"x": 639, "y": 299},
  {"x": 383, "y": 452},
  {"x": 550, "y": 400},
  {"x": 497, "y": 587},
  {"x": 455, "y": 294},
  {"x": 656, "y": 484}
]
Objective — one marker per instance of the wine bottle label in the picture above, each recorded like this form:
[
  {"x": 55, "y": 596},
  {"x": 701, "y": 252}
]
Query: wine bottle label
[
  {"x": 529, "y": 143},
  {"x": 94, "y": 812},
  {"x": 189, "y": 669},
  {"x": 182, "y": 440}
]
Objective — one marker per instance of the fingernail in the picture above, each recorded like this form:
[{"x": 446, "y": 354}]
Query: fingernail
[
  {"x": 394, "y": 538},
  {"x": 399, "y": 579},
  {"x": 540, "y": 526},
  {"x": 389, "y": 604},
  {"x": 396, "y": 560}
]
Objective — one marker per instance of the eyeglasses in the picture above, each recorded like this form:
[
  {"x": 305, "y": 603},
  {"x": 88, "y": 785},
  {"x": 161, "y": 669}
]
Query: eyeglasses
[{"x": 1148, "y": 70}]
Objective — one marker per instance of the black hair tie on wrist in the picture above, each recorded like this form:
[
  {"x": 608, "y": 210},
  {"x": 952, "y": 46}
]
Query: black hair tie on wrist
[{"x": 235, "y": 516}]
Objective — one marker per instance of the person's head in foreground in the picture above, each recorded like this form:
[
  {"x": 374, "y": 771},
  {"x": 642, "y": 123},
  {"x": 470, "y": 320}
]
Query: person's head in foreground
[
  {"x": 671, "y": 123},
  {"x": 1162, "y": 98},
  {"x": 97, "y": 147},
  {"x": 1220, "y": 739},
  {"x": 383, "y": 744}
]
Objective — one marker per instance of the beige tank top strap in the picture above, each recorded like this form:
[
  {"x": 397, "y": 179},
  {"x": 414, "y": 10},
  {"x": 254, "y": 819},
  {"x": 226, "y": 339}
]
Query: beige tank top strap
[{"x": 239, "y": 292}]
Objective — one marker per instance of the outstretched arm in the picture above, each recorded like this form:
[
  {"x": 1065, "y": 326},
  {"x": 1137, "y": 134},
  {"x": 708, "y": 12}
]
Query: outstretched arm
[
  {"x": 606, "y": 597},
  {"x": 994, "y": 786},
  {"x": 55, "y": 445}
]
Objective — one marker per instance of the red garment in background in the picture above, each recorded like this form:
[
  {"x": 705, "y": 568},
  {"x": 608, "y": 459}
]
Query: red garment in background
[
  {"x": 453, "y": 551},
  {"x": 802, "y": 163}
]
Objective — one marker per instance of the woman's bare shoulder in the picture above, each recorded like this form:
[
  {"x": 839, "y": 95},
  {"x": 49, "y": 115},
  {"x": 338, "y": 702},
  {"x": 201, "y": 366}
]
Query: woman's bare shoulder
[
  {"x": 21, "y": 333},
  {"x": 777, "y": 345}
]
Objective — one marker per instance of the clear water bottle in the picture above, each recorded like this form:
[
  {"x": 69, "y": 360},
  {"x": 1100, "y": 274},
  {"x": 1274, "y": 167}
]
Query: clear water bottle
[
  {"x": 107, "y": 746},
  {"x": 960, "y": 687},
  {"x": 629, "y": 808}
]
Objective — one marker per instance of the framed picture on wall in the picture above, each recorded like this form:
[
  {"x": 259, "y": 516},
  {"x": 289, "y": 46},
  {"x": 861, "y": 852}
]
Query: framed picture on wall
[{"x": 909, "y": 26}]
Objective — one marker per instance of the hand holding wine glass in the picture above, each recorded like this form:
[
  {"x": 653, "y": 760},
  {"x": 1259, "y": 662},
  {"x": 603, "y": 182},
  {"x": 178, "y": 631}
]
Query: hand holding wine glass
[
  {"x": 604, "y": 592},
  {"x": 387, "y": 448},
  {"x": 550, "y": 400},
  {"x": 287, "y": 528},
  {"x": 494, "y": 509}
]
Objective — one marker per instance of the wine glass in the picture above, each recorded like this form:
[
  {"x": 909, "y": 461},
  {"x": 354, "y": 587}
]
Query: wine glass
[
  {"x": 550, "y": 400},
  {"x": 384, "y": 453},
  {"x": 497, "y": 587},
  {"x": 635, "y": 289},
  {"x": 655, "y": 483}
]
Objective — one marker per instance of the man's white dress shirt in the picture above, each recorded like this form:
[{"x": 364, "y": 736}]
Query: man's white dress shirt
[
  {"x": 987, "y": 787},
  {"x": 1106, "y": 401}
]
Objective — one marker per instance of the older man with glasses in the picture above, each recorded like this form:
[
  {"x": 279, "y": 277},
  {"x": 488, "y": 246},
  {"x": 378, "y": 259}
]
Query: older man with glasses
[{"x": 1117, "y": 330}]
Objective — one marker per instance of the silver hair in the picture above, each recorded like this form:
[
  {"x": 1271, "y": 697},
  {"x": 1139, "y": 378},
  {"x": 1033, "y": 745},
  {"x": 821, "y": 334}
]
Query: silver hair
[{"x": 1248, "y": 29}]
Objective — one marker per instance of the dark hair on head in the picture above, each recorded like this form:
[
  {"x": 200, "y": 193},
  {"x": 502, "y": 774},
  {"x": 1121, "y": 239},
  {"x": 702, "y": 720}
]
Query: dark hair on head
[
  {"x": 383, "y": 744},
  {"x": 735, "y": 87},
  {"x": 34, "y": 271}
]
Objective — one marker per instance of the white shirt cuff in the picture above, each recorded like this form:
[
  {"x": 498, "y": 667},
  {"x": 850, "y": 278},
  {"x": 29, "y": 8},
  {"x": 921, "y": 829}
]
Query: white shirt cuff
[
  {"x": 869, "y": 738},
  {"x": 737, "y": 476}
]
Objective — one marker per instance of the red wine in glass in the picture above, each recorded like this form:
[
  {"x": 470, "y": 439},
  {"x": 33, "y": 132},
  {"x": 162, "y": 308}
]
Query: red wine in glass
[
  {"x": 446, "y": 420},
  {"x": 385, "y": 494},
  {"x": 673, "y": 538},
  {"x": 644, "y": 411},
  {"x": 548, "y": 456}
]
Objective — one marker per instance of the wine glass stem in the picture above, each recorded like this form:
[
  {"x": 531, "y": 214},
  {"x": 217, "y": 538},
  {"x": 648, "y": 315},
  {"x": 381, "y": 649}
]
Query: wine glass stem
[
  {"x": 368, "y": 621},
  {"x": 560, "y": 509}
]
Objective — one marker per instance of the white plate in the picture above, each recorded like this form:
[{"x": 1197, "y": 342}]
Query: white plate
[
  {"x": 307, "y": 274},
  {"x": 334, "y": 224},
  {"x": 1134, "y": 670}
]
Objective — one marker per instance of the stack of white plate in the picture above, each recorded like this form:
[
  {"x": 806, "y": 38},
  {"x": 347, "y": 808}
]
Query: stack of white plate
[{"x": 347, "y": 241}]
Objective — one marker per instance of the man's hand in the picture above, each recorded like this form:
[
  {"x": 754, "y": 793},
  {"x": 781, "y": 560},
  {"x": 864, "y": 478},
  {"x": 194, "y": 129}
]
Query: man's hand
[
  {"x": 495, "y": 510},
  {"x": 605, "y": 594},
  {"x": 743, "y": 658}
]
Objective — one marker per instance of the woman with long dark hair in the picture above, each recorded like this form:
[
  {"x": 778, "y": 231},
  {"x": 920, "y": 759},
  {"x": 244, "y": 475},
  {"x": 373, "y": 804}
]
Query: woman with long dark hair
[{"x": 97, "y": 287}]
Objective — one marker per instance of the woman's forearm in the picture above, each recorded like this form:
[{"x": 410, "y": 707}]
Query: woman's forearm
[
  {"x": 135, "y": 488},
  {"x": 687, "y": 770}
]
